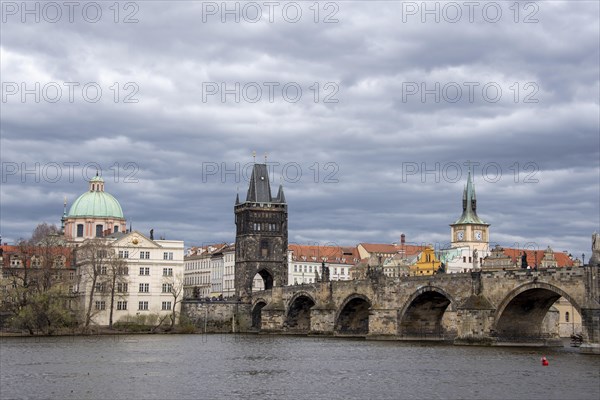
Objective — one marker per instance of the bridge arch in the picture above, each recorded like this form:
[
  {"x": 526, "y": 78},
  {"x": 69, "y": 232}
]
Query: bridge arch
[
  {"x": 422, "y": 314},
  {"x": 298, "y": 312},
  {"x": 520, "y": 314},
  {"x": 352, "y": 316},
  {"x": 257, "y": 307}
]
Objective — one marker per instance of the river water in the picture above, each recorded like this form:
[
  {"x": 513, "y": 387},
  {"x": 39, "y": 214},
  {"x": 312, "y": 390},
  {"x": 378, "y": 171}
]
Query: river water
[{"x": 285, "y": 367}]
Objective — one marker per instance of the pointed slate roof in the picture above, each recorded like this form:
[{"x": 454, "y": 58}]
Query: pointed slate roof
[
  {"x": 469, "y": 214},
  {"x": 280, "y": 196},
  {"x": 259, "y": 190}
]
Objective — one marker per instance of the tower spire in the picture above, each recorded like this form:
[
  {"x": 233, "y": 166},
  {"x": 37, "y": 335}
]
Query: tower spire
[
  {"x": 64, "y": 217},
  {"x": 469, "y": 204}
]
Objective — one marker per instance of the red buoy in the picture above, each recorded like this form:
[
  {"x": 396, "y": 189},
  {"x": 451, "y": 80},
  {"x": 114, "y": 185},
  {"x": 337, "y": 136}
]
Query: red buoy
[{"x": 544, "y": 362}]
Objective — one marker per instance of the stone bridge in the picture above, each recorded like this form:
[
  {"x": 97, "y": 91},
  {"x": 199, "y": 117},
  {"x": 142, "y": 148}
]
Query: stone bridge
[{"x": 484, "y": 307}]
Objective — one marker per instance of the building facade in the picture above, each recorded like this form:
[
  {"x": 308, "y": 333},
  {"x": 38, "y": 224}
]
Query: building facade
[
  {"x": 203, "y": 266},
  {"x": 306, "y": 262},
  {"x": 128, "y": 276}
]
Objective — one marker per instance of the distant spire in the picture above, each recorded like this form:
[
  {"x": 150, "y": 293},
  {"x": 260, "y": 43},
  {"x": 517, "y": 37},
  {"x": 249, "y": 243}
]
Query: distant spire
[
  {"x": 254, "y": 156},
  {"x": 64, "y": 217},
  {"x": 469, "y": 204},
  {"x": 237, "y": 199},
  {"x": 280, "y": 195}
]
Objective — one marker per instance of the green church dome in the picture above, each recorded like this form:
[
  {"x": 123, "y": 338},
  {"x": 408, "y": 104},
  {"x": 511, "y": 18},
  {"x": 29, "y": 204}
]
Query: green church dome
[{"x": 96, "y": 202}]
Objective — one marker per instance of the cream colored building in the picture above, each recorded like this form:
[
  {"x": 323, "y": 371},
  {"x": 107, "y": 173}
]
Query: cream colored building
[
  {"x": 204, "y": 271},
  {"x": 305, "y": 263},
  {"x": 569, "y": 320},
  {"x": 150, "y": 281}
]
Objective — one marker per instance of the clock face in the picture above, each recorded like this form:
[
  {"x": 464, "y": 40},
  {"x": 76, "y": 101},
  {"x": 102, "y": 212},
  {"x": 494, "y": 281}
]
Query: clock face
[
  {"x": 460, "y": 235},
  {"x": 477, "y": 235}
]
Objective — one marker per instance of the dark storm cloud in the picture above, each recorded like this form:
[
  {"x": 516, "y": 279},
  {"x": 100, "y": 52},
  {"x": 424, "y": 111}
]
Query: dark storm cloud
[{"x": 357, "y": 156}]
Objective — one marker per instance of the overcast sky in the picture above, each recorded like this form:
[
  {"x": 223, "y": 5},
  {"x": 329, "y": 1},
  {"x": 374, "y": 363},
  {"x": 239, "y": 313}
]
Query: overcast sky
[{"x": 369, "y": 113}]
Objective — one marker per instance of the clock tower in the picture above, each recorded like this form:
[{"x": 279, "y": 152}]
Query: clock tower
[{"x": 469, "y": 230}]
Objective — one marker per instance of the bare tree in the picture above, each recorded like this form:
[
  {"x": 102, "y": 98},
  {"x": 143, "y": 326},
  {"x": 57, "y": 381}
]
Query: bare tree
[
  {"x": 175, "y": 283},
  {"x": 94, "y": 257},
  {"x": 42, "y": 231},
  {"x": 116, "y": 281}
]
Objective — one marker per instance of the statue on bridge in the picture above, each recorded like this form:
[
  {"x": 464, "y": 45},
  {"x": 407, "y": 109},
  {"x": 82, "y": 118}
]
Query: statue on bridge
[
  {"x": 524, "y": 260},
  {"x": 475, "y": 259},
  {"x": 325, "y": 275},
  {"x": 595, "y": 258}
]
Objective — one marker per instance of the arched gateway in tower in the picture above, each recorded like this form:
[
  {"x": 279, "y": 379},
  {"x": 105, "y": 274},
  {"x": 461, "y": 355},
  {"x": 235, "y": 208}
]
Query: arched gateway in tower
[{"x": 261, "y": 235}]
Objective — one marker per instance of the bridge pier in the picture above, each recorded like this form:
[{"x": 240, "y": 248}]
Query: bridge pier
[
  {"x": 383, "y": 323},
  {"x": 475, "y": 320},
  {"x": 273, "y": 314},
  {"x": 590, "y": 318},
  {"x": 322, "y": 320}
]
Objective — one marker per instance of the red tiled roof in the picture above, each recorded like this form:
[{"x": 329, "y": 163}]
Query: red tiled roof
[
  {"x": 562, "y": 259},
  {"x": 25, "y": 253},
  {"x": 385, "y": 248},
  {"x": 334, "y": 254}
]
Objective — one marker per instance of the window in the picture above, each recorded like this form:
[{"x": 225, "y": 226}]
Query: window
[
  {"x": 121, "y": 305},
  {"x": 100, "y": 305},
  {"x": 167, "y": 287},
  {"x": 123, "y": 271},
  {"x": 264, "y": 248},
  {"x": 100, "y": 287},
  {"x": 103, "y": 270},
  {"x": 99, "y": 230},
  {"x": 143, "y": 306},
  {"x": 115, "y": 230},
  {"x": 79, "y": 230},
  {"x": 122, "y": 287},
  {"x": 167, "y": 271},
  {"x": 166, "y": 305},
  {"x": 464, "y": 259},
  {"x": 567, "y": 316},
  {"x": 295, "y": 268},
  {"x": 144, "y": 287},
  {"x": 144, "y": 255},
  {"x": 168, "y": 255},
  {"x": 144, "y": 270},
  {"x": 71, "y": 275},
  {"x": 470, "y": 259},
  {"x": 123, "y": 253}
]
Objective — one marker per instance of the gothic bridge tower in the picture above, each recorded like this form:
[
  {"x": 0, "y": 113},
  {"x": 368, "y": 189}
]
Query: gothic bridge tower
[{"x": 261, "y": 239}]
